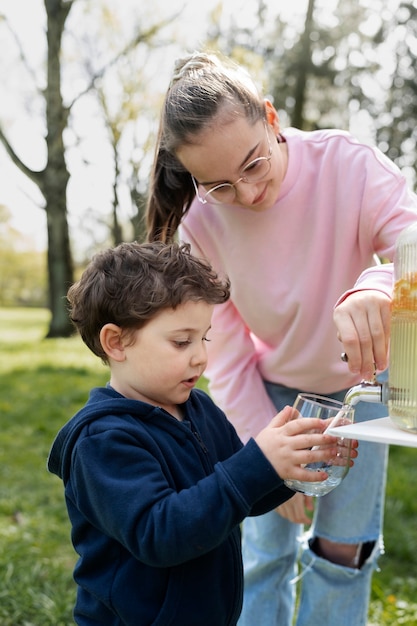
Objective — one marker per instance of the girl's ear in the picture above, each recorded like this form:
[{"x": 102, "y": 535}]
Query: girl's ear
[
  {"x": 272, "y": 116},
  {"x": 111, "y": 342}
]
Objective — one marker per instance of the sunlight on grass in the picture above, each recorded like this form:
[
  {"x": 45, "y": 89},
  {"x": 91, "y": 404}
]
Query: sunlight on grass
[
  {"x": 22, "y": 336},
  {"x": 43, "y": 382}
]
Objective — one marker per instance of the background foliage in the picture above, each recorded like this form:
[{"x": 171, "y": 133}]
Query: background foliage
[{"x": 82, "y": 96}]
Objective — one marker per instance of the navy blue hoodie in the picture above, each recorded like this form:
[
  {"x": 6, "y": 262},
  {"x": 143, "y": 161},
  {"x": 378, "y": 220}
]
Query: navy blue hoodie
[{"x": 155, "y": 506}]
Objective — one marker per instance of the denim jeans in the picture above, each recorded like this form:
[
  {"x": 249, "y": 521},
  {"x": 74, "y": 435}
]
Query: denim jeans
[{"x": 353, "y": 513}]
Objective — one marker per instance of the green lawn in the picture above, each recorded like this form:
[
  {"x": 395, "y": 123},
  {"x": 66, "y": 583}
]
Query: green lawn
[{"x": 42, "y": 383}]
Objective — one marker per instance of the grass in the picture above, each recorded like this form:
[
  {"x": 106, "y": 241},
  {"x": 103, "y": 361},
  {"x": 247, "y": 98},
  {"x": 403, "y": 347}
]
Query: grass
[{"x": 42, "y": 383}]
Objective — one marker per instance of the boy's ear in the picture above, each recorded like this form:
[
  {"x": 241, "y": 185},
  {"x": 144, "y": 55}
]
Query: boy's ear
[
  {"x": 272, "y": 116},
  {"x": 111, "y": 342}
]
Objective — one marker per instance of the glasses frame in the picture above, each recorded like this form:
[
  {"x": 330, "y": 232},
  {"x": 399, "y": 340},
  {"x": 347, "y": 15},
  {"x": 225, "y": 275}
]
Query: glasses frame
[{"x": 203, "y": 199}]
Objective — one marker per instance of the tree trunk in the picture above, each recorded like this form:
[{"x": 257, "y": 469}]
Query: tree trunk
[
  {"x": 56, "y": 177},
  {"x": 303, "y": 69}
]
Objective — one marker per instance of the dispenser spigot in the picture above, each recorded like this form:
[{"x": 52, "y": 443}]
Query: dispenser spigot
[{"x": 367, "y": 390}]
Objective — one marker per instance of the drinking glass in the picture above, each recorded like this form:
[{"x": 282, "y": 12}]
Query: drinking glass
[{"x": 336, "y": 414}]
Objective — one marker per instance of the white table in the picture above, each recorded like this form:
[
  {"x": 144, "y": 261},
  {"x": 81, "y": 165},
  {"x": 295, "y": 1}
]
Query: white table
[{"x": 382, "y": 430}]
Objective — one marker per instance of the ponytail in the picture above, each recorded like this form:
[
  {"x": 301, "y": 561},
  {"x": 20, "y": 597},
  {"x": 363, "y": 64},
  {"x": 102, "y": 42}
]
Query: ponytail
[{"x": 170, "y": 197}]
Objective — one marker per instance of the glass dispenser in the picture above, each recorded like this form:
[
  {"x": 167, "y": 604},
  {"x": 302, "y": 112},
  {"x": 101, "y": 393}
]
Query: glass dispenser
[
  {"x": 402, "y": 385},
  {"x": 399, "y": 393}
]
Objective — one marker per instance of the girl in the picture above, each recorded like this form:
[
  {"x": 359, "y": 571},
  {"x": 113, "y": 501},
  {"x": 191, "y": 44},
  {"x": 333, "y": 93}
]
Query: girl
[{"x": 295, "y": 219}]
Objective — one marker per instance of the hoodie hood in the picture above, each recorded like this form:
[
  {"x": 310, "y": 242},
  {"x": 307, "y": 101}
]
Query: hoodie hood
[{"x": 102, "y": 401}]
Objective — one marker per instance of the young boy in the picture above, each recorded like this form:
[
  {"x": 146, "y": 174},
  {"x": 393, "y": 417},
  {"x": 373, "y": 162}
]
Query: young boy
[{"x": 156, "y": 479}]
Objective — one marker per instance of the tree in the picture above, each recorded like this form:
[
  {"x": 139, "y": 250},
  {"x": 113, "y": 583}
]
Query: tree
[
  {"x": 396, "y": 114},
  {"x": 52, "y": 180},
  {"x": 318, "y": 66},
  {"x": 304, "y": 67},
  {"x": 131, "y": 142},
  {"x": 318, "y": 77}
]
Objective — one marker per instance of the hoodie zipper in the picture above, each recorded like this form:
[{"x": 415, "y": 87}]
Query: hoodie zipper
[{"x": 199, "y": 439}]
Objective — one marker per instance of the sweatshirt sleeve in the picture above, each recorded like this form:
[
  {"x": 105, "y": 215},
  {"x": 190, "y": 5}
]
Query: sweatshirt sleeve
[
  {"x": 393, "y": 207},
  {"x": 380, "y": 278}
]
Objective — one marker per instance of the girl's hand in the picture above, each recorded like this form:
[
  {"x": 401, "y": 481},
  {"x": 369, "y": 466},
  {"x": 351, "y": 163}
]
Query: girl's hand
[
  {"x": 297, "y": 509},
  {"x": 363, "y": 326}
]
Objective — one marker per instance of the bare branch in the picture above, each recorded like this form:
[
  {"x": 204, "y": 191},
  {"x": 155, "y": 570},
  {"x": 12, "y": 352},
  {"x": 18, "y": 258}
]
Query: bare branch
[
  {"x": 36, "y": 177},
  {"x": 142, "y": 36},
  {"x": 22, "y": 54}
]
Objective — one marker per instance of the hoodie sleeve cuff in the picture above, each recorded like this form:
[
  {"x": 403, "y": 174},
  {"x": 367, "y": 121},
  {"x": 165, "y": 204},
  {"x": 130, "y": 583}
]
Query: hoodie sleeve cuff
[{"x": 250, "y": 473}]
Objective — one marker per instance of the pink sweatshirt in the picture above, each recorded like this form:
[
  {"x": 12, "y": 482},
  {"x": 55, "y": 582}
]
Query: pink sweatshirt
[{"x": 340, "y": 203}]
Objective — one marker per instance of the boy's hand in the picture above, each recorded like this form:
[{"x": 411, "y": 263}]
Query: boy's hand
[{"x": 290, "y": 443}]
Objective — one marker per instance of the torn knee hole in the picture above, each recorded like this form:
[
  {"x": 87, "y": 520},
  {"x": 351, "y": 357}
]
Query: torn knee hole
[{"x": 337, "y": 556}]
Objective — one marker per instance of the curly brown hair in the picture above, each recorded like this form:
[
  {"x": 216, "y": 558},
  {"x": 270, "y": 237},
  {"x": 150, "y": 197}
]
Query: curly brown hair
[{"x": 129, "y": 284}]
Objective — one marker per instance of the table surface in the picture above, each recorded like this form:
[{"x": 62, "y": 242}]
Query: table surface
[{"x": 382, "y": 430}]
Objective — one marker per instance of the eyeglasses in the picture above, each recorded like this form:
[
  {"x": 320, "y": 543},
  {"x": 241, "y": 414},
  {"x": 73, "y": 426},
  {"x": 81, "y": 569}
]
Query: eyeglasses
[{"x": 225, "y": 193}]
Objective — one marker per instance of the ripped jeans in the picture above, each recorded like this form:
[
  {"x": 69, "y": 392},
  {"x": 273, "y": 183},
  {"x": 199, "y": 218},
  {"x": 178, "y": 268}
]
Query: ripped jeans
[{"x": 353, "y": 513}]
